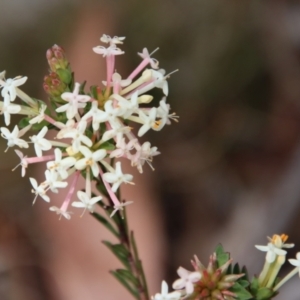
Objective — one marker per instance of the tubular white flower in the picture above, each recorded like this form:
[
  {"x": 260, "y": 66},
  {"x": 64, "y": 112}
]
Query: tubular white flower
[
  {"x": 165, "y": 295},
  {"x": 186, "y": 280},
  {"x": 38, "y": 190},
  {"x": 129, "y": 107},
  {"x": 149, "y": 121},
  {"x": 117, "y": 177},
  {"x": 40, "y": 143},
  {"x": 40, "y": 117},
  {"x": 13, "y": 137},
  {"x": 9, "y": 86},
  {"x": 9, "y": 109},
  {"x": 163, "y": 113},
  {"x": 115, "y": 40},
  {"x": 90, "y": 159},
  {"x": 110, "y": 51},
  {"x": 120, "y": 207},
  {"x": 86, "y": 201},
  {"x": 61, "y": 165},
  {"x": 61, "y": 212},
  {"x": 96, "y": 114},
  {"x": 296, "y": 262},
  {"x": 75, "y": 101},
  {"x": 145, "y": 55},
  {"x": 272, "y": 251},
  {"x": 78, "y": 136},
  {"x": 23, "y": 163},
  {"x": 117, "y": 80},
  {"x": 53, "y": 182}
]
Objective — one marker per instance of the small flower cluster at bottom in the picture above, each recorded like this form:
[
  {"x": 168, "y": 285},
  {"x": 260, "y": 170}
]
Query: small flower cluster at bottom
[
  {"x": 223, "y": 281},
  {"x": 212, "y": 282}
]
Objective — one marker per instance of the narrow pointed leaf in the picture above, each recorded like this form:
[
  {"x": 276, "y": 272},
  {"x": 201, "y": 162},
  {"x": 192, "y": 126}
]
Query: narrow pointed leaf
[
  {"x": 120, "y": 252},
  {"x": 106, "y": 223},
  {"x": 124, "y": 282}
]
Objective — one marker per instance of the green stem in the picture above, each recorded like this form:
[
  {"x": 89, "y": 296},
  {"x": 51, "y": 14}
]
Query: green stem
[{"x": 286, "y": 278}]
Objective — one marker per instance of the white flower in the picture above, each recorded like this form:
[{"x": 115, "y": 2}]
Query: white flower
[
  {"x": 163, "y": 113},
  {"x": 129, "y": 107},
  {"x": 53, "y": 182},
  {"x": 117, "y": 80},
  {"x": 69, "y": 126},
  {"x": 90, "y": 159},
  {"x": 95, "y": 113},
  {"x": 272, "y": 251},
  {"x": 40, "y": 143},
  {"x": 75, "y": 101},
  {"x": 161, "y": 80},
  {"x": 115, "y": 40},
  {"x": 145, "y": 55},
  {"x": 296, "y": 262},
  {"x": 123, "y": 149},
  {"x": 78, "y": 136},
  {"x": 8, "y": 109},
  {"x": 117, "y": 177},
  {"x": 111, "y": 50},
  {"x": 143, "y": 154},
  {"x": 38, "y": 190},
  {"x": 61, "y": 165},
  {"x": 9, "y": 86},
  {"x": 40, "y": 117},
  {"x": 86, "y": 201},
  {"x": 117, "y": 132},
  {"x": 23, "y": 163},
  {"x": 110, "y": 114},
  {"x": 120, "y": 207},
  {"x": 275, "y": 246},
  {"x": 165, "y": 295},
  {"x": 186, "y": 280},
  {"x": 13, "y": 137},
  {"x": 149, "y": 121},
  {"x": 61, "y": 212}
]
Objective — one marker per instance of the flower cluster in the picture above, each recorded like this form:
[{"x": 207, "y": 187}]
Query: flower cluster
[
  {"x": 91, "y": 128},
  {"x": 220, "y": 280},
  {"x": 212, "y": 282}
]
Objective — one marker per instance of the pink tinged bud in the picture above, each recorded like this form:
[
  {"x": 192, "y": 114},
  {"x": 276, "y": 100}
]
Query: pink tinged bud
[
  {"x": 230, "y": 294},
  {"x": 212, "y": 264},
  {"x": 225, "y": 285},
  {"x": 232, "y": 277},
  {"x": 216, "y": 276},
  {"x": 204, "y": 293},
  {"x": 216, "y": 294},
  {"x": 224, "y": 268}
]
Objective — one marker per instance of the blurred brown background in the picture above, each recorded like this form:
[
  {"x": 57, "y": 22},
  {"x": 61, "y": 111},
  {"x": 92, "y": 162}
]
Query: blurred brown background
[{"x": 229, "y": 170}]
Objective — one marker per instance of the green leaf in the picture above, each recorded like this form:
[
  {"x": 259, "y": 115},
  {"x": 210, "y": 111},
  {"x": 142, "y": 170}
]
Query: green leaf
[
  {"x": 64, "y": 75},
  {"x": 128, "y": 276},
  {"x": 23, "y": 122},
  {"x": 244, "y": 283},
  {"x": 107, "y": 145},
  {"x": 102, "y": 189},
  {"x": 138, "y": 262},
  {"x": 236, "y": 269},
  {"x": 124, "y": 282},
  {"x": 245, "y": 271},
  {"x": 264, "y": 294},
  {"x": 254, "y": 286},
  {"x": 94, "y": 93},
  {"x": 241, "y": 292},
  {"x": 222, "y": 256},
  {"x": 120, "y": 252},
  {"x": 106, "y": 223}
]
